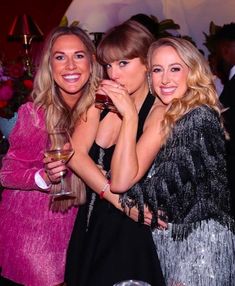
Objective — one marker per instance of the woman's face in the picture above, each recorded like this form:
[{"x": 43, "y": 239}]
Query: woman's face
[
  {"x": 130, "y": 73},
  {"x": 169, "y": 74},
  {"x": 71, "y": 67}
]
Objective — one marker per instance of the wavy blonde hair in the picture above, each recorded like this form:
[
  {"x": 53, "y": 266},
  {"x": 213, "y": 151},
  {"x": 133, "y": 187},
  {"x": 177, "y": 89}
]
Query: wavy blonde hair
[
  {"x": 46, "y": 95},
  {"x": 200, "y": 84}
]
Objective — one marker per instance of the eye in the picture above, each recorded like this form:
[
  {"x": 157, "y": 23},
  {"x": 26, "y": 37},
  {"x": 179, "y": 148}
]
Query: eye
[
  {"x": 107, "y": 66},
  {"x": 156, "y": 70},
  {"x": 59, "y": 57},
  {"x": 176, "y": 69},
  {"x": 79, "y": 56},
  {"x": 123, "y": 63}
]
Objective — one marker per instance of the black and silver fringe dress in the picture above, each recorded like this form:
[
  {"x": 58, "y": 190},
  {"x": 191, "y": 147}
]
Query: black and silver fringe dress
[{"x": 188, "y": 179}]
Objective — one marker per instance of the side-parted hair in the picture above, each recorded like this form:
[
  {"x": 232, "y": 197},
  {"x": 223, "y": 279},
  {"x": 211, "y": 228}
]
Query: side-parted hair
[
  {"x": 46, "y": 94},
  {"x": 200, "y": 84},
  {"x": 128, "y": 40},
  {"x": 58, "y": 114}
]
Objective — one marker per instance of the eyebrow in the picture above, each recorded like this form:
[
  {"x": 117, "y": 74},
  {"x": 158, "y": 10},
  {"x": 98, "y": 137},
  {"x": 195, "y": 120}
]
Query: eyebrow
[
  {"x": 60, "y": 52},
  {"x": 169, "y": 65}
]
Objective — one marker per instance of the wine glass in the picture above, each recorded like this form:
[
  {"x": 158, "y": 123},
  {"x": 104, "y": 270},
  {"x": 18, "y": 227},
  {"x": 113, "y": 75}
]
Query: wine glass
[
  {"x": 59, "y": 147},
  {"x": 132, "y": 283}
]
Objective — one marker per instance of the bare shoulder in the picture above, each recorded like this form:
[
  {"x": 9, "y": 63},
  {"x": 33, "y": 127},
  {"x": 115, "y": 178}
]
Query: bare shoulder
[
  {"x": 91, "y": 115},
  {"x": 156, "y": 115}
]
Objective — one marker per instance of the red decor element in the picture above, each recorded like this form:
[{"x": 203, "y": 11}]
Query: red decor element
[{"x": 24, "y": 25}]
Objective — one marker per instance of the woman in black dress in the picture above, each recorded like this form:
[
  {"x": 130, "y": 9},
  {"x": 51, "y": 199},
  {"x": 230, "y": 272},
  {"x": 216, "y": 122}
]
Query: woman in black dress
[{"x": 106, "y": 245}]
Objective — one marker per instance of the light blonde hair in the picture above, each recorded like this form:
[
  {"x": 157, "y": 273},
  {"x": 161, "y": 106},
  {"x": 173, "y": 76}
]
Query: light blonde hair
[
  {"x": 200, "y": 84},
  {"x": 46, "y": 93}
]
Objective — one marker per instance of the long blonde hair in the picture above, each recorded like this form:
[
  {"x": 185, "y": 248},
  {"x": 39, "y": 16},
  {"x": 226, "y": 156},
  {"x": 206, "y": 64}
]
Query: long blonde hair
[
  {"x": 200, "y": 84},
  {"x": 46, "y": 93},
  {"x": 58, "y": 114}
]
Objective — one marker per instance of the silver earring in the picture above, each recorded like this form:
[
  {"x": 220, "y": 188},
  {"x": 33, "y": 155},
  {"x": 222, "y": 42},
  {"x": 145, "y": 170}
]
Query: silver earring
[{"x": 149, "y": 83}]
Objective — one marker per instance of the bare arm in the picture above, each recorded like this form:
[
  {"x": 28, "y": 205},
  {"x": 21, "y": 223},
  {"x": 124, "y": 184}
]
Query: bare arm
[
  {"x": 130, "y": 161},
  {"x": 81, "y": 163},
  {"x": 129, "y": 164}
]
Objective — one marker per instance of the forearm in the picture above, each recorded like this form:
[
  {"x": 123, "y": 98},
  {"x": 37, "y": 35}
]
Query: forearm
[
  {"x": 88, "y": 171},
  {"x": 15, "y": 175},
  {"x": 124, "y": 165}
]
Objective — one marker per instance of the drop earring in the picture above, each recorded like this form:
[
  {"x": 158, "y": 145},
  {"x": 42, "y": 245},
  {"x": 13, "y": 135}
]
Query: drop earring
[{"x": 149, "y": 83}]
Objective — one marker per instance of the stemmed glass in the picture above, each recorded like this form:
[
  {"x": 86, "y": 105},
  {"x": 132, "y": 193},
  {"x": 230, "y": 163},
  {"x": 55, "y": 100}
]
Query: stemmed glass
[{"x": 59, "y": 147}]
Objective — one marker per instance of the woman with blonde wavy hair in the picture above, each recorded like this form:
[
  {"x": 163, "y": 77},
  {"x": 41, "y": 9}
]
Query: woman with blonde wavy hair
[
  {"x": 35, "y": 230},
  {"x": 187, "y": 182}
]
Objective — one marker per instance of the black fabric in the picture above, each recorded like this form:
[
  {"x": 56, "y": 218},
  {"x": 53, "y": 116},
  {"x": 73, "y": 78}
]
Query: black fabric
[
  {"x": 112, "y": 247},
  {"x": 227, "y": 98}
]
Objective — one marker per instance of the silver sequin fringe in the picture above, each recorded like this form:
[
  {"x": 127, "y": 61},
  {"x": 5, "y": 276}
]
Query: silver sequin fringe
[{"x": 205, "y": 258}]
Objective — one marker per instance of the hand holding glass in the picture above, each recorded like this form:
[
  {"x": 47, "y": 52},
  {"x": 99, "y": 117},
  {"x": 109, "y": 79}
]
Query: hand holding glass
[
  {"x": 59, "y": 147},
  {"x": 103, "y": 101}
]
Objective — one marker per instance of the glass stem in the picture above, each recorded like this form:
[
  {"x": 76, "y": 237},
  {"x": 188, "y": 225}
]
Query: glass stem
[{"x": 62, "y": 184}]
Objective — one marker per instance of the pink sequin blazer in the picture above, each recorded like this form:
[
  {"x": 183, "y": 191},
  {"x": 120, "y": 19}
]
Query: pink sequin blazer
[{"x": 33, "y": 239}]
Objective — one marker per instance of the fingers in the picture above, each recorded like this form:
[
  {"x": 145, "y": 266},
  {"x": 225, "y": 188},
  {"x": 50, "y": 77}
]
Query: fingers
[
  {"x": 133, "y": 213},
  {"x": 54, "y": 169},
  {"x": 147, "y": 221},
  {"x": 161, "y": 224},
  {"x": 111, "y": 87}
]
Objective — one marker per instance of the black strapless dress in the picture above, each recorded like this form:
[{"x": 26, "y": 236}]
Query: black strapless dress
[{"x": 107, "y": 246}]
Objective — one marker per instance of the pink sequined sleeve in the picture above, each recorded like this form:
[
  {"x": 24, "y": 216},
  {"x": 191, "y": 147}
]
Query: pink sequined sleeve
[{"x": 25, "y": 154}]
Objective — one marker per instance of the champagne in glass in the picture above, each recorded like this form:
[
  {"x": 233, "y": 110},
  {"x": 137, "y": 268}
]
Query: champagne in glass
[
  {"x": 59, "y": 147},
  {"x": 59, "y": 154}
]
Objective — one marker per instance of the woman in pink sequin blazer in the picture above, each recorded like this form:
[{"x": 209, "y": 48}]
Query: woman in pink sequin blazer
[{"x": 33, "y": 236}]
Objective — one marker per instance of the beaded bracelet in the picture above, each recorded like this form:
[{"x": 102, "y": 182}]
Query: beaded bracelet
[{"x": 105, "y": 188}]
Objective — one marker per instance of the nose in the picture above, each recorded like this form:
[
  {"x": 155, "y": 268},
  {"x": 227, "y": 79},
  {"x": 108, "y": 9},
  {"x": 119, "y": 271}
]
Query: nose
[
  {"x": 165, "y": 78},
  {"x": 113, "y": 73},
  {"x": 71, "y": 64}
]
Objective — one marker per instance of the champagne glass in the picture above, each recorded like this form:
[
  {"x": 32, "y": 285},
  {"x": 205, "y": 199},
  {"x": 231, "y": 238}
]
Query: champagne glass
[
  {"x": 59, "y": 147},
  {"x": 132, "y": 283}
]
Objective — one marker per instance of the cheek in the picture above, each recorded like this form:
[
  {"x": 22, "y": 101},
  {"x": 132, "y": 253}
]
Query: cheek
[
  {"x": 183, "y": 82},
  {"x": 55, "y": 69},
  {"x": 155, "y": 81},
  {"x": 108, "y": 72},
  {"x": 87, "y": 71}
]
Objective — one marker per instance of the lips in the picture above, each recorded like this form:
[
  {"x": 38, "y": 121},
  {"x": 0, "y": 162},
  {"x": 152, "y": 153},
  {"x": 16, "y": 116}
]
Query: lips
[
  {"x": 71, "y": 77},
  {"x": 167, "y": 90}
]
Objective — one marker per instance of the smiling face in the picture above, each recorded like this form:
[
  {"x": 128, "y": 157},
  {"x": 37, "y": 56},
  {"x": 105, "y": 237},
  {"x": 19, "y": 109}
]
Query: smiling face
[
  {"x": 71, "y": 67},
  {"x": 130, "y": 73},
  {"x": 169, "y": 74}
]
